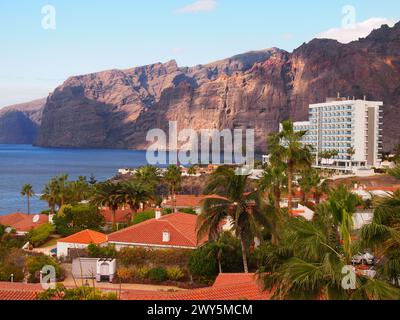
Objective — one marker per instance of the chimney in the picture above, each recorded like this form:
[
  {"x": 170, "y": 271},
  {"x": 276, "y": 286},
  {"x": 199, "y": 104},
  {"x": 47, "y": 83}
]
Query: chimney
[
  {"x": 158, "y": 213},
  {"x": 365, "y": 98}
]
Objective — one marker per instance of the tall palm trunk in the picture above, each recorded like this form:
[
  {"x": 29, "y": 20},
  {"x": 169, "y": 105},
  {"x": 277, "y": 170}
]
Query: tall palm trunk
[
  {"x": 277, "y": 208},
  {"x": 244, "y": 255},
  {"x": 113, "y": 211},
  {"x": 290, "y": 187},
  {"x": 29, "y": 204}
]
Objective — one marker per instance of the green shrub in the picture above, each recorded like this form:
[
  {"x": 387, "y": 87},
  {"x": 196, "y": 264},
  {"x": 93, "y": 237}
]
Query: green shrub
[
  {"x": 167, "y": 211},
  {"x": 188, "y": 211},
  {"x": 132, "y": 256},
  {"x": 12, "y": 261},
  {"x": 35, "y": 264},
  {"x": 144, "y": 216},
  {"x": 158, "y": 274},
  {"x": 79, "y": 293},
  {"x": 72, "y": 219},
  {"x": 41, "y": 234},
  {"x": 142, "y": 256},
  {"x": 175, "y": 273},
  {"x": 96, "y": 251},
  {"x": 142, "y": 273},
  {"x": 203, "y": 264}
]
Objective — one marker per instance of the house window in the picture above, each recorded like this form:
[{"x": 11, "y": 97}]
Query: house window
[{"x": 166, "y": 236}]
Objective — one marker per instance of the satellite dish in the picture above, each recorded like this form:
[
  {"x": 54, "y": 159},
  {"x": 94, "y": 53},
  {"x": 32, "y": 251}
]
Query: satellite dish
[
  {"x": 8, "y": 230},
  {"x": 36, "y": 218}
]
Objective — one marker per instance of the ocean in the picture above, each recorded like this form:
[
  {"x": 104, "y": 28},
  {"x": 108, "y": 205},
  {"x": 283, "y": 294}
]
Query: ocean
[{"x": 21, "y": 164}]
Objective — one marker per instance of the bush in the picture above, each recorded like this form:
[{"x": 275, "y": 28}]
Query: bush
[
  {"x": 96, "y": 251},
  {"x": 158, "y": 274},
  {"x": 12, "y": 261},
  {"x": 79, "y": 293},
  {"x": 35, "y": 264},
  {"x": 188, "y": 211},
  {"x": 72, "y": 219},
  {"x": 203, "y": 264},
  {"x": 142, "y": 273},
  {"x": 167, "y": 211},
  {"x": 144, "y": 216},
  {"x": 39, "y": 235},
  {"x": 126, "y": 274},
  {"x": 175, "y": 274},
  {"x": 142, "y": 256},
  {"x": 132, "y": 256}
]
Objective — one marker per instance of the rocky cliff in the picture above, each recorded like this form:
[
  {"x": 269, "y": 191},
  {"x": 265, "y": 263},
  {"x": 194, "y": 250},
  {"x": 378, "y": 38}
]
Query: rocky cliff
[
  {"x": 19, "y": 124},
  {"x": 116, "y": 108}
]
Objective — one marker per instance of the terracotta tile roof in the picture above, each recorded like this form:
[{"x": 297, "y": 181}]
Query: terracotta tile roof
[
  {"x": 23, "y": 222},
  {"x": 19, "y": 291},
  {"x": 297, "y": 212},
  {"x": 121, "y": 215},
  {"x": 234, "y": 278},
  {"x": 181, "y": 227},
  {"x": 85, "y": 237},
  {"x": 188, "y": 201},
  {"x": 227, "y": 287},
  {"x": 382, "y": 188}
]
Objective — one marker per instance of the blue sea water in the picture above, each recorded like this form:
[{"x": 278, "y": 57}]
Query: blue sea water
[{"x": 21, "y": 164}]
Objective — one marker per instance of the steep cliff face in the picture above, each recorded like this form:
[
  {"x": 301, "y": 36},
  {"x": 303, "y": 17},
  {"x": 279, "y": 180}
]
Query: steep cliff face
[
  {"x": 19, "y": 124},
  {"x": 255, "y": 90}
]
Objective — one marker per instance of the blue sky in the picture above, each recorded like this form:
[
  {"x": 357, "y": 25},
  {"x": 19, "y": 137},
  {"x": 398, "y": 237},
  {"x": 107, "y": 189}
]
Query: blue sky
[{"x": 95, "y": 35}]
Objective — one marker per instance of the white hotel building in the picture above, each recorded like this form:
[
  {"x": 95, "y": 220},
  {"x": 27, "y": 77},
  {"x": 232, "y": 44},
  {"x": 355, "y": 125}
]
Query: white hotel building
[{"x": 342, "y": 125}]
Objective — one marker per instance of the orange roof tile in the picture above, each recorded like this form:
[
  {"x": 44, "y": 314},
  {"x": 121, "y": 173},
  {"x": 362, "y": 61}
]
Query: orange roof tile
[
  {"x": 226, "y": 287},
  {"x": 234, "y": 278},
  {"x": 19, "y": 291},
  {"x": 85, "y": 237},
  {"x": 23, "y": 222},
  {"x": 181, "y": 227},
  {"x": 382, "y": 188},
  {"x": 121, "y": 215},
  {"x": 188, "y": 201}
]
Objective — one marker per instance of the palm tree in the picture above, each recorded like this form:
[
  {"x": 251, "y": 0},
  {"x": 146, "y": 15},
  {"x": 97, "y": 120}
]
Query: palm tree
[
  {"x": 273, "y": 182},
  {"x": 108, "y": 195},
  {"x": 395, "y": 172},
  {"x": 351, "y": 152},
  {"x": 27, "y": 191},
  {"x": 286, "y": 147},
  {"x": 62, "y": 182},
  {"x": 320, "y": 188},
  {"x": 149, "y": 175},
  {"x": 311, "y": 181},
  {"x": 236, "y": 203},
  {"x": 342, "y": 204},
  {"x": 173, "y": 179},
  {"x": 50, "y": 195},
  {"x": 383, "y": 236},
  {"x": 308, "y": 264},
  {"x": 218, "y": 249},
  {"x": 135, "y": 193}
]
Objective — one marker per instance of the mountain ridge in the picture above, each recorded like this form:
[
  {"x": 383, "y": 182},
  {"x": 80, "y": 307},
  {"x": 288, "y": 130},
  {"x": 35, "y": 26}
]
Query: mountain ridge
[{"x": 258, "y": 89}]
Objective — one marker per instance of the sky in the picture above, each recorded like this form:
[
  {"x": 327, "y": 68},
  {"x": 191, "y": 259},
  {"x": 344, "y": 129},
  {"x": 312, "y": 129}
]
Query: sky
[{"x": 45, "y": 42}]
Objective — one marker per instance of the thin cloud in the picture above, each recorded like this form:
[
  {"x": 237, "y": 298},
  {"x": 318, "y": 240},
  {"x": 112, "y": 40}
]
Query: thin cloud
[
  {"x": 359, "y": 30},
  {"x": 199, "y": 6}
]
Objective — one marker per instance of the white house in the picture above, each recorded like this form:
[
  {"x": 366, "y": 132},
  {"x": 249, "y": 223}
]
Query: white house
[{"x": 80, "y": 240}]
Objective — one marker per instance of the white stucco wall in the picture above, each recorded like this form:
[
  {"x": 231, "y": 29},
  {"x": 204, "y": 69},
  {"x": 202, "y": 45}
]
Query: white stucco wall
[{"x": 62, "y": 248}]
